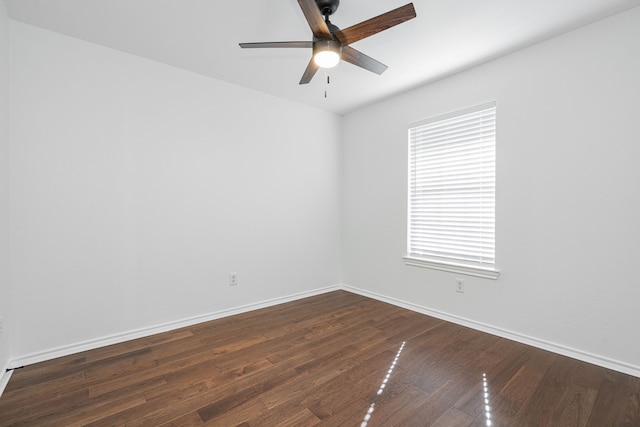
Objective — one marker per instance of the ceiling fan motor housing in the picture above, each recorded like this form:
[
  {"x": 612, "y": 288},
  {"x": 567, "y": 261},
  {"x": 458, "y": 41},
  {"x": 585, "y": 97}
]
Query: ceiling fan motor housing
[
  {"x": 327, "y": 45},
  {"x": 327, "y": 7}
]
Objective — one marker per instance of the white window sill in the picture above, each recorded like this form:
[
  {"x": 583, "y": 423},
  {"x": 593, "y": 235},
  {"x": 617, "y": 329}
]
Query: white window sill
[{"x": 468, "y": 270}]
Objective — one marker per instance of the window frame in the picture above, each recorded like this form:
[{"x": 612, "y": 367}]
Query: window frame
[{"x": 488, "y": 271}]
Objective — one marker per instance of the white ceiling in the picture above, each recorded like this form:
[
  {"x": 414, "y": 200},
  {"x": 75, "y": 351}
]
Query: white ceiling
[{"x": 203, "y": 35}]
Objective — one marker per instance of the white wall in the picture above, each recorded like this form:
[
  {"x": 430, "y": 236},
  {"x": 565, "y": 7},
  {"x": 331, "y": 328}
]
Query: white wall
[
  {"x": 4, "y": 188},
  {"x": 568, "y": 194},
  {"x": 137, "y": 187}
]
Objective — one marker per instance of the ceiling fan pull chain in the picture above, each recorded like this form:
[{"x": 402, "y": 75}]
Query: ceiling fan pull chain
[{"x": 328, "y": 81}]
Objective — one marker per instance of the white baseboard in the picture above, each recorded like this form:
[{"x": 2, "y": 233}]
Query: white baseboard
[
  {"x": 144, "y": 332},
  {"x": 67, "y": 350},
  {"x": 4, "y": 379},
  {"x": 584, "y": 356}
]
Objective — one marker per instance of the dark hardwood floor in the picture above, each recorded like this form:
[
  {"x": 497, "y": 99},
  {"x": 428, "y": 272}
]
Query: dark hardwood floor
[{"x": 332, "y": 360}]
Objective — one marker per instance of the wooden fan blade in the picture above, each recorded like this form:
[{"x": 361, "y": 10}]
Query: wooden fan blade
[
  {"x": 375, "y": 25},
  {"x": 358, "y": 58},
  {"x": 311, "y": 12},
  {"x": 309, "y": 72},
  {"x": 276, "y": 44}
]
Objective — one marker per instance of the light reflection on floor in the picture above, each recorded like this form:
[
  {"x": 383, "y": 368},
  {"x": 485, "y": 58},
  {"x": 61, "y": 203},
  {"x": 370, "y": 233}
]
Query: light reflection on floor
[
  {"x": 485, "y": 392},
  {"x": 372, "y": 408},
  {"x": 487, "y": 408}
]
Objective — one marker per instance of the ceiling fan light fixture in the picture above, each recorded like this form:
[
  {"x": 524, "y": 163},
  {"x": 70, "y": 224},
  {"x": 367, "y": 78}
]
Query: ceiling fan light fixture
[{"x": 326, "y": 53}]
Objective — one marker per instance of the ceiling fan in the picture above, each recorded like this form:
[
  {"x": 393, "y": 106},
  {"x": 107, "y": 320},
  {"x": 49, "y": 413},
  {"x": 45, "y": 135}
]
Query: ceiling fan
[{"x": 331, "y": 44}]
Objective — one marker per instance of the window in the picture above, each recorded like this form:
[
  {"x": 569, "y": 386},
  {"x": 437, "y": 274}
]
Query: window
[{"x": 451, "y": 215}]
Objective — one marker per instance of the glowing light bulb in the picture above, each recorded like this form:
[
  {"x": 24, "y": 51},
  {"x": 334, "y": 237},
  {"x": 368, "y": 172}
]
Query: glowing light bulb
[
  {"x": 326, "y": 59},
  {"x": 326, "y": 53}
]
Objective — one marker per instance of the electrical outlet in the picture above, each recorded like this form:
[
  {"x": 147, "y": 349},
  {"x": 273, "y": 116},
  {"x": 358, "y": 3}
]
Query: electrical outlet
[
  {"x": 233, "y": 279},
  {"x": 460, "y": 285}
]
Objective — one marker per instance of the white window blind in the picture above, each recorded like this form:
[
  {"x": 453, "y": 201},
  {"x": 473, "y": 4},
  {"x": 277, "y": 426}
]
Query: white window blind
[{"x": 452, "y": 190}]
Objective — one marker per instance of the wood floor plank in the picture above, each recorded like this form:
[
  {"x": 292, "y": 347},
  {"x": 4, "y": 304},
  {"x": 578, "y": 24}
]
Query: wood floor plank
[
  {"x": 563, "y": 374},
  {"x": 329, "y": 360},
  {"x": 617, "y": 402},
  {"x": 44, "y": 372},
  {"x": 239, "y": 415},
  {"x": 575, "y": 406},
  {"x": 453, "y": 417},
  {"x": 93, "y": 411},
  {"x": 435, "y": 404},
  {"x": 22, "y": 396},
  {"x": 191, "y": 419}
]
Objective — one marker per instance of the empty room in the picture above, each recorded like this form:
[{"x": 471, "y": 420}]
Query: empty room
[{"x": 319, "y": 212}]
